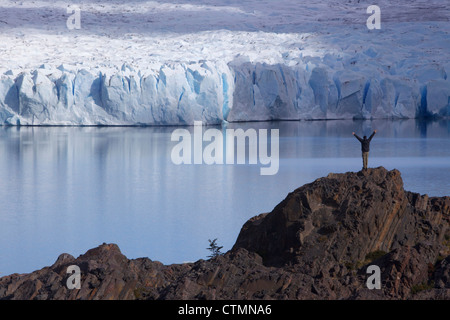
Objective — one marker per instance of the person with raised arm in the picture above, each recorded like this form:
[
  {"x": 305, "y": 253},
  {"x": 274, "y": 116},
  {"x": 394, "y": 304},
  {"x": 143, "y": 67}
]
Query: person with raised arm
[{"x": 365, "y": 147}]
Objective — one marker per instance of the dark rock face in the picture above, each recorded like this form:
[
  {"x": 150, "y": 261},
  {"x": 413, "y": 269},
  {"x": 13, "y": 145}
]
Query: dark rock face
[
  {"x": 344, "y": 217},
  {"x": 315, "y": 244}
]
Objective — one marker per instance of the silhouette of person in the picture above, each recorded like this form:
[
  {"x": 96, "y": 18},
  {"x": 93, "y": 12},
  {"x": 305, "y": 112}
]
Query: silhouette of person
[{"x": 365, "y": 147}]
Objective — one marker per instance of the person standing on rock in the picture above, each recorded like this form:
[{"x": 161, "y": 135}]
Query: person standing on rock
[{"x": 365, "y": 147}]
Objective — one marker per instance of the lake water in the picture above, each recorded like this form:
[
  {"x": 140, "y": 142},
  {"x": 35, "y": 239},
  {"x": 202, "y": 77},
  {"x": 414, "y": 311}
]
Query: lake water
[{"x": 69, "y": 189}]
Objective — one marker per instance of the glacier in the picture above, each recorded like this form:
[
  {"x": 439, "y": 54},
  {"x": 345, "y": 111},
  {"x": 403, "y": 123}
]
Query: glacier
[
  {"x": 255, "y": 66},
  {"x": 174, "y": 94},
  {"x": 213, "y": 92}
]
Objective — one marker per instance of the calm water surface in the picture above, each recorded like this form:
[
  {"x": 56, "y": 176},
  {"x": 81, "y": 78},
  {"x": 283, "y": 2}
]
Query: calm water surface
[{"x": 69, "y": 189}]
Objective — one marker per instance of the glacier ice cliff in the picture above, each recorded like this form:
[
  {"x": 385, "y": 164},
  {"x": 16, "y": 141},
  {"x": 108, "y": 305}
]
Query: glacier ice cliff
[
  {"x": 174, "y": 94},
  {"x": 330, "y": 87}
]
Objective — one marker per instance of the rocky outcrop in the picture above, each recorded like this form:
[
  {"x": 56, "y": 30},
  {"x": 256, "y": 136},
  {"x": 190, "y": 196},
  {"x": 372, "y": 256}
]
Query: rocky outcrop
[
  {"x": 344, "y": 217},
  {"x": 316, "y": 244}
]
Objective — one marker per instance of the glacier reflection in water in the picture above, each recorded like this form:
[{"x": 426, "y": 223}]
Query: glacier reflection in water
[{"x": 69, "y": 189}]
